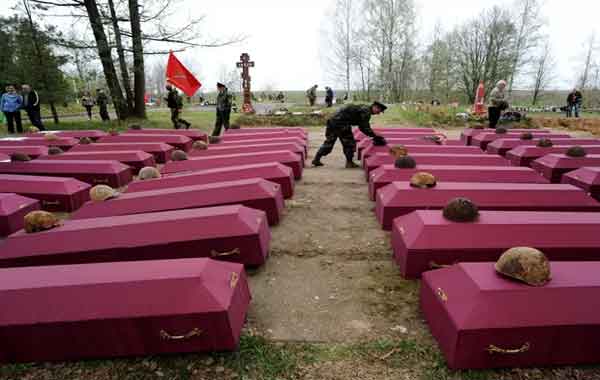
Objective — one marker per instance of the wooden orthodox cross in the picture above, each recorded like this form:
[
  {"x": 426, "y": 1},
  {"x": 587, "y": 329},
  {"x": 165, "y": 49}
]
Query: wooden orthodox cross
[{"x": 244, "y": 64}]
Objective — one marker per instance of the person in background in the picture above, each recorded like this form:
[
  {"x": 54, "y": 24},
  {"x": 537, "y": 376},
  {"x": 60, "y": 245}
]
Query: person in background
[
  {"x": 102, "y": 101},
  {"x": 311, "y": 94},
  {"x": 328, "y": 96},
  {"x": 88, "y": 102},
  {"x": 224, "y": 103},
  {"x": 31, "y": 105},
  {"x": 497, "y": 103},
  {"x": 175, "y": 104},
  {"x": 574, "y": 101},
  {"x": 10, "y": 104}
]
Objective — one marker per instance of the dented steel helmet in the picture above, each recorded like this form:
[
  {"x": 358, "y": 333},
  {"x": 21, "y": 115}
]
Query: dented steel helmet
[
  {"x": 544, "y": 143},
  {"x": 526, "y": 136},
  {"x": 85, "y": 140},
  {"x": 501, "y": 130},
  {"x": 423, "y": 180},
  {"x": 50, "y": 136},
  {"x": 179, "y": 155},
  {"x": 525, "y": 264},
  {"x": 461, "y": 210},
  {"x": 100, "y": 193},
  {"x": 214, "y": 139},
  {"x": 576, "y": 151},
  {"x": 148, "y": 172},
  {"x": 54, "y": 150},
  {"x": 405, "y": 162},
  {"x": 199, "y": 145},
  {"x": 18, "y": 156},
  {"x": 33, "y": 129},
  {"x": 398, "y": 151},
  {"x": 135, "y": 127},
  {"x": 433, "y": 138},
  {"x": 37, "y": 221}
]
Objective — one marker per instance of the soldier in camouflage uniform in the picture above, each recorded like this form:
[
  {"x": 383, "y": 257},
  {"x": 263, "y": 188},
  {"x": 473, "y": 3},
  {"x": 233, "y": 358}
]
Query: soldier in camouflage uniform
[
  {"x": 340, "y": 126},
  {"x": 224, "y": 103},
  {"x": 311, "y": 94},
  {"x": 175, "y": 103}
]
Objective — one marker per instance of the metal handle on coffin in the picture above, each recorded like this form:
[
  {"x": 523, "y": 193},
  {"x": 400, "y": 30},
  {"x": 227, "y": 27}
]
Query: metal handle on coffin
[
  {"x": 51, "y": 203},
  {"x": 96, "y": 180},
  {"x": 166, "y": 336},
  {"x": 235, "y": 277},
  {"x": 235, "y": 251},
  {"x": 434, "y": 265},
  {"x": 440, "y": 293},
  {"x": 508, "y": 351}
]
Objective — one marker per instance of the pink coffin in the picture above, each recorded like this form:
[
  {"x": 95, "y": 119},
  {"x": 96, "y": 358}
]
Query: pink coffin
[
  {"x": 502, "y": 146},
  {"x": 54, "y": 193},
  {"x": 586, "y": 178},
  {"x": 13, "y": 208},
  {"x": 553, "y": 166},
  {"x": 121, "y": 309},
  {"x": 293, "y": 140},
  {"x": 474, "y": 313},
  {"x": 358, "y": 135},
  {"x": 31, "y": 151},
  {"x": 261, "y": 135},
  {"x": 380, "y": 159},
  {"x": 77, "y": 134},
  {"x": 366, "y": 143},
  {"x": 179, "y": 142},
  {"x": 422, "y": 149},
  {"x": 231, "y": 233},
  {"x": 192, "y": 134},
  {"x": 255, "y": 193},
  {"x": 525, "y": 155},
  {"x": 386, "y": 174},
  {"x": 4, "y": 157},
  {"x": 287, "y": 158},
  {"x": 483, "y": 139},
  {"x": 272, "y": 171},
  {"x": 160, "y": 151},
  {"x": 423, "y": 239},
  {"x": 65, "y": 143},
  {"x": 245, "y": 130},
  {"x": 399, "y": 198},
  {"x": 112, "y": 173},
  {"x": 134, "y": 158},
  {"x": 217, "y": 150},
  {"x": 469, "y": 133}
]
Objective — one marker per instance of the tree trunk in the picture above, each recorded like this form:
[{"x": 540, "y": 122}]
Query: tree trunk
[
  {"x": 138, "y": 60},
  {"x": 121, "y": 53},
  {"x": 105, "y": 57},
  {"x": 54, "y": 113}
]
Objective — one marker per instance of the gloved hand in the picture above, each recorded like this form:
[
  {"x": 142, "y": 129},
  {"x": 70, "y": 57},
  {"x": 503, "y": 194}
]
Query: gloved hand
[{"x": 379, "y": 141}]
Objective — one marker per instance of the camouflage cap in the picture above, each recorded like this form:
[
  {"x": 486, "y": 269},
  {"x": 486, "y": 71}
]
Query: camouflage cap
[
  {"x": 148, "y": 172},
  {"x": 179, "y": 155},
  {"x": 100, "y": 193},
  {"x": 398, "y": 151},
  {"x": 576, "y": 151},
  {"x": 461, "y": 210},
  {"x": 423, "y": 180},
  {"x": 525, "y": 264},
  {"x": 37, "y": 221}
]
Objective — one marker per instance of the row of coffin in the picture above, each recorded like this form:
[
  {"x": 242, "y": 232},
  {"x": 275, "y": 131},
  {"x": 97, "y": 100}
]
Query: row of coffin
[
  {"x": 133, "y": 274},
  {"x": 479, "y": 318}
]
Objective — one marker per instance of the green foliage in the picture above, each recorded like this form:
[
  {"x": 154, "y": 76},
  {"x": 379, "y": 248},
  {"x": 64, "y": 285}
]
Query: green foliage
[{"x": 285, "y": 120}]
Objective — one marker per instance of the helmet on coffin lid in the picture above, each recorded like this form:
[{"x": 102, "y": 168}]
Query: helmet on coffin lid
[
  {"x": 461, "y": 210},
  {"x": 423, "y": 180},
  {"x": 525, "y": 264},
  {"x": 37, "y": 221}
]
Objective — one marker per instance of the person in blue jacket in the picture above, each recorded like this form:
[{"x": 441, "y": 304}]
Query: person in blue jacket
[{"x": 10, "y": 104}]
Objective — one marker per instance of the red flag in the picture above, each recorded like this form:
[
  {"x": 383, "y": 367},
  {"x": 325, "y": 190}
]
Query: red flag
[{"x": 181, "y": 77}]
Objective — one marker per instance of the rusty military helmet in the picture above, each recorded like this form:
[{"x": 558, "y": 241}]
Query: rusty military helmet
[
  {"x": 461, "y": 210},
  {"x": 398, "y": 151},
  {"x": 135, "y": 127},
  {"x": 37, "y": 221},
  {"x": 576, "y": 151},
  {"x": 525, "y": 264},
  {"x": 405, "y": 162},
  {"x": 85, "y": 140},
  {"x": 501, "y": 130},
  {"x": 54, "y": 150},
  {"x": 214, "y": 139},
  {"x": 50, "y": 136},
  {"x": 526, "y": 136},
  {"x": 434, "y": 138},
  {"x": 544, "y": 143},
  {"x": 33, "y": 129},
  {"x": 101, "y": 193},
  {"x": 199, "y": 145},
  {"x": 19, "y": 157},
  {"x": 148, "y": 172},
  {"x": 179, "y": 155},
  {"x": 423, "y": 180}
]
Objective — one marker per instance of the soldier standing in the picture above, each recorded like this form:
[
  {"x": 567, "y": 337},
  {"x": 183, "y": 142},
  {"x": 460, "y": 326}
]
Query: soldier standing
[
  {"x": 224, "y": 103},
  {"x": 328, "y": 96},
  {"x": 31, "y": 104},
  {"x": 175, "y": 104},
  {"x": 311, "y": 94},
  {"x": 340, "y": 126},
  {"x": 102, "y": 101},
  {"x": 497, "y": 103}
]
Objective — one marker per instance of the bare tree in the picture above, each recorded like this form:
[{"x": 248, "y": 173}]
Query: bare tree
[
  {"x": 230, "y": 78},
  {"x": 588, "y": 63},
  {"x": 543, "y": 73}
]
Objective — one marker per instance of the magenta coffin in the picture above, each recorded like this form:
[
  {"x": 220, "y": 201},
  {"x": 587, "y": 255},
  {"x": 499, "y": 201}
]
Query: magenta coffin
[
  {"x": 192, "y": 134},
  {"x": 77, "y": 134},
  {"x": 65, "y": 143},
  {"x": 160, "y": 151},
  {"x": 261, "y": 135},
  {"x": 423, "y": 239},
  {"x": 482, "y": 320},
  {"x": 525, "y": 155},
  {"x": 231, "y": 233},
  {"x": 31, "y": 151},
  {"x": 217, "y": 150},
  {"x": 121, "y": 309},
  {"x": 468, "y": 133},
  {"x": 553, "y": 166},
  {"x": 399, "y": 198},
  {"x": 54, "y": 193},
  {"x": 134, "y": 158},
  {"x": 380, "y": 159},
  {"x": 371, "y": 150},
  {"x": 255, "y": 193},
  {"x": 502, "y": 146},
  {"x": 287, "y": 158},
  {"x": 272, "y": 171},
  {"x": 366, "y": 143},
  {"x": 483, "y": 139},
  {"x": 112, "y": 173},
  {"x": 586, "y": 178},
  {"x": 386, "y": 174},
  {"x": 4, "y": 157},
  {"x": 13, "y": 208},
  {"x": 179, "y": 142},
  {"x": 294, "y": 140},
  {"x": 245, "y": 130},
  {"x": 358, "y": 135}
]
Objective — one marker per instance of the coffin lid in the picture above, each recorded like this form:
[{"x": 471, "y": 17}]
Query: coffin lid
[
  {"x": 283, "y": 145},
  {"x": 489, "y": 136},
  {"x": 561, "y": 161},
  {"x": 115, "y": 290},
  {"x": 474, "y": 131},
  {"x": 43, "y": 140},
  {"x": 266, "y": 140},
  {"x": 134, "y": 137},
  {"x": 11, "y": 202},
  {"x": 147, "y": 146},
  {"x": 536, "y": 151},
  {"x": 479, "y": 298},
  {"x": 76, "y": 134},
  {"x": 4, "y": 157},
  {"x": 588, "y": 175},
  {"x": 28, "y": 184},
  {"x": 387, "y": 171},
  {"x": 511, "y": 143},
  {"x": 62, "y": 166},
  {"x": 27, "y": 149},
  {"x": 158, "y": 131},
  {"x": 116, "y": 155}
]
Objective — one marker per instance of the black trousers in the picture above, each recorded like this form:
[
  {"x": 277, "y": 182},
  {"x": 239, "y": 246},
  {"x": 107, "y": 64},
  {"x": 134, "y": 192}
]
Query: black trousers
[
  {"x": 88, "y": 109},
  {"x": 36, "y": 119},
  {"x": 334, "y": 132},
  {"x": 494, "y": 116},
  {"x": 177, "y": 121},
  {"x": 104, "y": 113},
  {"x": 222, "y": 121},
  {"x": 13, "y": 118}
]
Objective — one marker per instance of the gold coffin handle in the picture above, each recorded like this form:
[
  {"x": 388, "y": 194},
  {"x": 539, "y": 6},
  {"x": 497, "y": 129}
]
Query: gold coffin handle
[
  {"x": 166, "y": 336},
  {"x": 508, "y": 351},
  {"x": 98, "y": 180},
  {"x": 235, "y": 251},
  {"x": 235, "y": 277},
  {"x": 51, "y": 203},
  {"x": 441, "y": 294},
  {"x": 434, "y": 265}
]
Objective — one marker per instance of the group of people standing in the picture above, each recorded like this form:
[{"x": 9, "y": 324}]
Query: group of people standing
[
  {"x": 12, "y": 102},
  {"x": 101, "y": 100},
  {"x": 311, "y": 95}
]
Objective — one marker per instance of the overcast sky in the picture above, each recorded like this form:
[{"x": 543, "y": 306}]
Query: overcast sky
[{"x": 284, "y": 41}]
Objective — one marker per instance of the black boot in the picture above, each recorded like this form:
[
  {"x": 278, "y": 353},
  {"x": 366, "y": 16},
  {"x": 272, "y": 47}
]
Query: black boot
[
  {"x": 316, "y": 162},
  {"x": 351, "y": 165}
]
